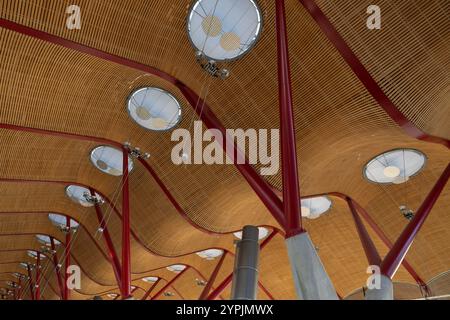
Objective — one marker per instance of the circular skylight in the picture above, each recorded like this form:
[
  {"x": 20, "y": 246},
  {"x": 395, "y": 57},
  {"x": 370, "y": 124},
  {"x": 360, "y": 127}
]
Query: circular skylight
[
  {"x": 154, "y": 109},
  {"x": 23, "y": 265},
  {"x": 150, "y": 279},
  {"x": 109, "y": 160},
  {"x": 44, "y": 239},
  {"x": 224, "y": 30},
  {"x": 61, "y": 221},
  {"x": 77, "y": 195},
  {"x": 210, "y": 254},
  {"x": 263, "y": 232},
  {"x": 395, "y": 166},
  {"x": 176, "y": 267},
  {"x": 34, "y": 254},
  {"x": 313, "y": 208}
]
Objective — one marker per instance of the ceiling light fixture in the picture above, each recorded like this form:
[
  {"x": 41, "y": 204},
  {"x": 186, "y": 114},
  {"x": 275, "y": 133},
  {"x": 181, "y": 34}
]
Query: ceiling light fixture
[
  {"x": 109, "y": 160},
  {"x": 394, "y": 166},
  {"x": 312, "y": 208}
]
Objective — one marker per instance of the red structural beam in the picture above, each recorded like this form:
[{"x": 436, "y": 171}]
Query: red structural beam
[
  {"x": 398, "y": 252},
  {"x": 68, "y": 244},
  {"x": 30, "y": 282},
  {"x": 126, "y": 255},
  {"x": 147, "y": 293},
  {"x": 364, "y": 76},
  {"x": 291, "y": 189},
  {"x": 212, "y": 278},
  {"x": 259, "y": 185},
  {"x": 112, "y": 255},
  {"x": 170, "y": 283},
  {"x": 57, "y": 270},
  {"x": 373, "y": 257},
  {"x": 222, "y": 286}
]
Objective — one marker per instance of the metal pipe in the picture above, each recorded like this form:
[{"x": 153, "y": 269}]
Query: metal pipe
[
  {"x": 112, "y": 255},
  {"x": 373, "y": 257},
  {"x": 67, "y": 259},
  {"x": 57, "y": 270},
  {"x": 212, "y": 278},
  {"x": 398, "y": 252},
  {"x": 245, "y": 276},
  {"x": 169, "y": 283},
  {"x": 38, "y": 276},
  {"x": 291, "y": 189},
  {"x": 151, "y": 289},
  {"x": 126, "y": 257}
]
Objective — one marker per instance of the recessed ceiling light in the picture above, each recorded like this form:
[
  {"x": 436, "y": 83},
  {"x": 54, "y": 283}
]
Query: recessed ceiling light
[
  {"x": 395, "y": 166},
  {"x": 109, "y": 160},
  {"x": 224, "y": 30},
  {"x": 77, "y": 195},
  {"x": 150, "y": 279},
  {"x": 44, "y": 239},
  {"x": 313, "y": 208},
  {"x": 263, "y": 232},
  {"x": 154, "y": 109},
  {"x": 176, "y": 268},
  {"x": 34, "y": 254},
  {"x": 210, "y": 254},
  {"x": 61, "y": 221}
]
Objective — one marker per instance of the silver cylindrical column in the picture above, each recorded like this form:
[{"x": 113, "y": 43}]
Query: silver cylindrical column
[{"x": 245, "y": 275}]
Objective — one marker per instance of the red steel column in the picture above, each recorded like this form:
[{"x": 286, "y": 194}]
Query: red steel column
[
  {"x": 291, "y": 190},
  {"x": 126, "y": 262},
  {"x": 114, "y": 259},
  {"x": 57, "y": 270},
  {"x": 169, "y": 283},
  {"x": 38, "y": 276},
  {"x": 373, "y": 257},
  {"x": 67, "y": 259},
  {"x": 30, "y": 282},
  {"x": 150, "y": 290},
  {"x": 212, "y": 278},
  {"x": 398, "y": 252}
]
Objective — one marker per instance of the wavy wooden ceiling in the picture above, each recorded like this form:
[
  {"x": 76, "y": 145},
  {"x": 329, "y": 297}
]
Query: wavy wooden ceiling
[{"x": 339, "y": 128}]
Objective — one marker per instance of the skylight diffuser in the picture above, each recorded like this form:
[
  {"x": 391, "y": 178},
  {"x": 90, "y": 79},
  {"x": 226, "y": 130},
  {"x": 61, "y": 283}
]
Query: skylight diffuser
[
  {"x": 263, "y": 232},
  {"x": 313, "y": 208},
  {"x": 60, "y": 221},
  {"x": 154, "y": 109},
  {"x": 150, "y": 279},
  {"x": 210, "y": 254},
  {"x": 109, "y": 160},
  {"x": 44, "y": 239},
  {"x": 34, "y": 254},
  {"x": 176, "y": 267},
  {"x": 224, "y": 30},
  {"x": 395, "y": 166},
  {"x": 77, "y": 195}
]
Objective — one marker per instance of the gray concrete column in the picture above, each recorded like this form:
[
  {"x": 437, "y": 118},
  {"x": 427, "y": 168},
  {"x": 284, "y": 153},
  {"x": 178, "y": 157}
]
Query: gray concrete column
[
  {"x": 384, "y": 292},
  {"x": 311, "y": 280},
  {"x": 245, "y": 274}
]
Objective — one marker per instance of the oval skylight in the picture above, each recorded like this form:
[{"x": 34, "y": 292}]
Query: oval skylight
[
  {"x": 210, "y": 254},
  {"x": 109, "y": 160},
  {"x": 224, "y": 30},
  {"x": 150, "y": 279},
  {"x": 34, "y": 254},
  {"x": 23, "y": 265},
  {"x": 154, "y": 109},
  {"x": 112, "y": 295},
  {"x": 263, "y": 232},
  {"x": 61, "y": 221},
  {"x": 313, "y": 208},
  {"x": 395, "y": 166},
  {"x": 44, "y": 239},
  {"x": 176, "y": 267},
  {"x": 77, "y": 195}
]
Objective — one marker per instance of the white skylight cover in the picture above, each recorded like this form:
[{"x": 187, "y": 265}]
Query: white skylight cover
[
  {"x": 263, "y": 232},
  {"x": 112, "y": 295},
  {"x": 154, "y": 109},
  {"x": 312, "y": 208},
  {"x": 210, "y": 254},
  {"x": 395, "y": 166},
  {"x": 150, "y": 279},
  {"x": 24, "y": 265},
  {"x": 33, "y": 254},
  {"x": 44, "y": 239},
  {"x": 60, "y": 221},
  {"x": 76, "y": 194},
  {"x": 109, "y": 160},
  {"x": 224, "y": 30},
  {"x": 176, "y": 267}
]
